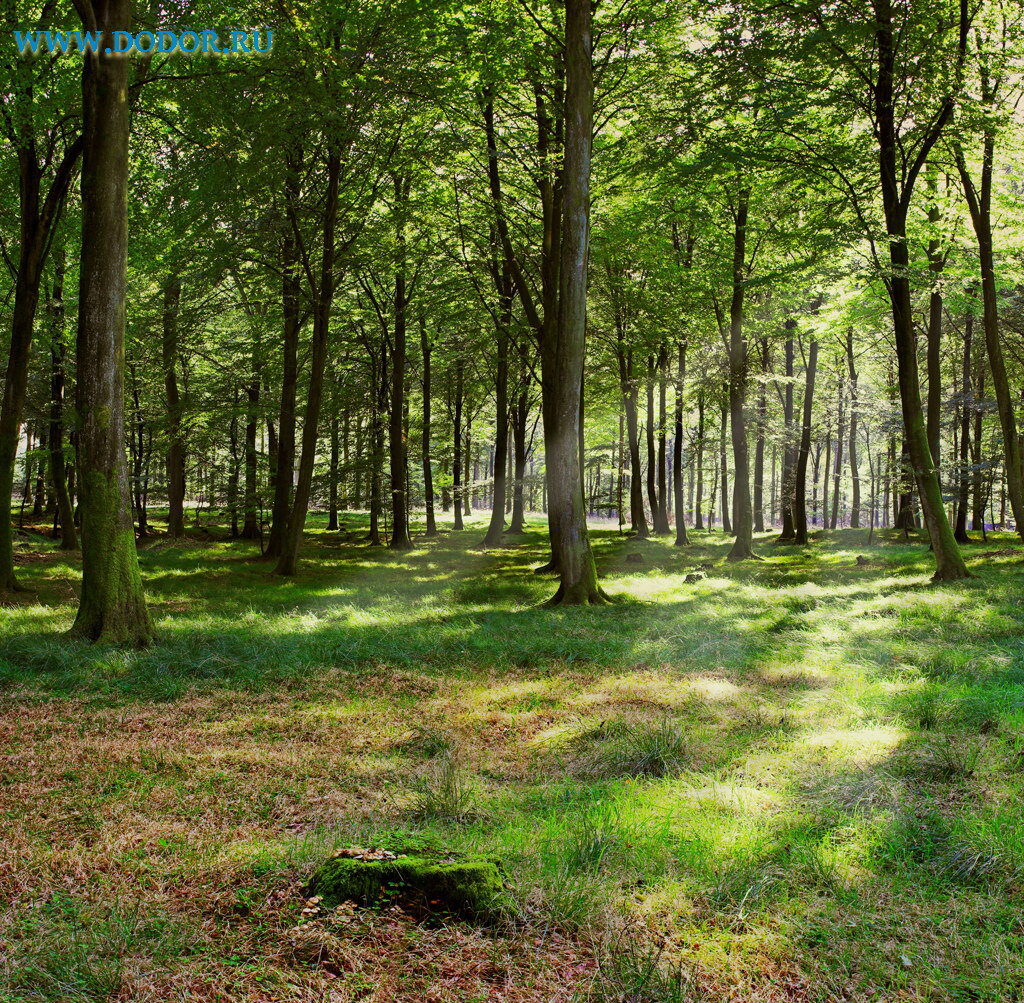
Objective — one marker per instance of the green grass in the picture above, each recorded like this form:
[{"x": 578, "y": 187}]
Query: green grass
[{"x": 797, "y": 778}]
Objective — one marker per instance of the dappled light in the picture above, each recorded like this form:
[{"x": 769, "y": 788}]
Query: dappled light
[{"x": 762, "y": 770}]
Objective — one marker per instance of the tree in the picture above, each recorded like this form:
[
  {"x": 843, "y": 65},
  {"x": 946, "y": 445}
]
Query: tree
[
  {"x": 112, "y": 607},
  {"x": 563, "y": 350}
]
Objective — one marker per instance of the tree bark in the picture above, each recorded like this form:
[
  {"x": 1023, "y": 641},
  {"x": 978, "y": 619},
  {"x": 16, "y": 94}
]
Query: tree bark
[
  {"x": 762, "y": 418},
  {"x": 291, "y": 291},
  {"x": 661, "y": 524},
  {"x": 743, "y": 516},
  {"x": 652, "y": 468},
  {"x": 65, "y": 510},
  {"x": 788, "y": 490},
  {"x": 723, "y": 462},
  {"x": 977, "y": 494},
  {"x": 682, "y": 540},
  {"x": 698, "y": 515},
  {"x": 251, "y": 529},
  {"x": 979, "y": 203},
  {"x": 37, "y": 217},
  {"x": 175, "y": 446},
  {"x": 112, "y": 606},
  {"x": 318, "y": 360},
  {"x": 397, "y": 441},
  {"x": 852, "y": 450},
  {"x": 503, "y": 282},
  {"x": 520, "y": 416},
  {"x": 628, "y": 386},
  {"x": 332, "y": 476},
  {"x": 428, "y": 473},
  {"x": 949, "y": 562},
  {"x": 936, "y": 263},
  {"x": 960, "y": 530},
  {"x": 840, "y": 435},
  {"x": 804, "y": 452},
  {"x": 564, "y": 349},
  {"x": 457, "y": 458}
]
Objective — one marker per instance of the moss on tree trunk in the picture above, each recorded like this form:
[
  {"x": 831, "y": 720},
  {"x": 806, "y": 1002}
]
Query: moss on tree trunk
[{"x": 112, "y": 606}]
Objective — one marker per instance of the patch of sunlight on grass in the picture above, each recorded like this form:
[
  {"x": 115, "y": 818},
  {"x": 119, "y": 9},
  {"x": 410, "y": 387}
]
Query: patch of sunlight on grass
[
  {"x": 732, "y": 797},
  {"x": 713, "y": 688},
  {"x": 494, "y": 695},
  {"x": 856, "y": 746}
]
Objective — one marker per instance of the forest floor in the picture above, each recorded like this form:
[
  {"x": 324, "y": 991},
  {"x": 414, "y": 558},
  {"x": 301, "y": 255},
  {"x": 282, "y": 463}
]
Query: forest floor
[{"x": 798, "y": 779}]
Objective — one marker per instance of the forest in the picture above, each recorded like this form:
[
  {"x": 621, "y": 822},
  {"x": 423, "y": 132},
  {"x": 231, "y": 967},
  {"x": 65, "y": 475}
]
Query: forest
[{"x": 518, "y": 500}]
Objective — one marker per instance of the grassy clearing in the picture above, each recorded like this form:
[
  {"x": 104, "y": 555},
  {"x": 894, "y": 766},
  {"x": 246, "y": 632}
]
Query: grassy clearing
[{"x": 797, "y": 779}]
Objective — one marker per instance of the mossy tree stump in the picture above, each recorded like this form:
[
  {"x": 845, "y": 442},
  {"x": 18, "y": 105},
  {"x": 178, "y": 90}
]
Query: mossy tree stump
[{"x": 418, "y": 879}]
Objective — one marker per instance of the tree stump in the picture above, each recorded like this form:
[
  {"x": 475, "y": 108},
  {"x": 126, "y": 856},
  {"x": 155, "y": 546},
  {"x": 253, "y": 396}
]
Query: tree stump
[{"x": 420, "y": 880}]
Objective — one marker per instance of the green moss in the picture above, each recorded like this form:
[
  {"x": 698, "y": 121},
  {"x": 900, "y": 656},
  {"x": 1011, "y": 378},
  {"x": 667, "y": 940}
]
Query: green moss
[{"x": 451, "y": 882}]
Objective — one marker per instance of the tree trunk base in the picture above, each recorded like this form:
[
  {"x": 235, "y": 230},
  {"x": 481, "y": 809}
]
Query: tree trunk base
[
  {"x": 13, "y": 587},
  {"x": 581, "y": 595},
  {"x": 127, "y": 624},
  {"x": 951, "y": 575},
  {"x": 551, "y": 568},
  {"x": 742, "y": 554}
]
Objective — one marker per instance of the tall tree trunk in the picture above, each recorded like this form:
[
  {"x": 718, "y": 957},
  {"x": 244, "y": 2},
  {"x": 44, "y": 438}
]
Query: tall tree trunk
[
  {"x": 65, "y": 510},
  {"x": 39, "y": 496},
  {"x": 804, "y": 452},
  {"x": 397, "y": 440},
  {"x": 743, "y": 516},
  {"x": 318, "y": 361},
  {"x": 661, "y": 524},
  {"x": 251, "y": 525},
  {"x": 291, "y": 291},
  {"x": 789, "y": 451},
  {"x": 936, "y": 263},
  {"x": 112, "y": 607},
  {"x": 376, "y": 432},
  {"x": 854, "y": 468},
  {"x": 175, "y": 446},
  {"x": 520, "y": 416},
  {"x": 652, "y": 468},
  {"x": 332, "y": 475},
  {"x": 682, "y": 539},
  {"x": 137, "y": 436},
  {"x": 428, "y": 473},
  {"x": 38, "y": 215},
  {"x": 467, "y": 467},
  {"x": 564, "y": 348},
  {"x": 457, "y": 459},
  {"x": 723, "y": 463},
  {"x": 960, "y": 530},
  {"x": 979, "y": 202},
  {"x": 762, "y": 419},
  {"x": 630, "y": 393},
  {"x": 949, "y": 562},
  {"x": 234, "y": 473},
  {"x": 503, "y": 280},
  {"x": 698, "y": 515},
  {"x": 840, "y": 434},
  {"x": 977, "y": 494}
]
